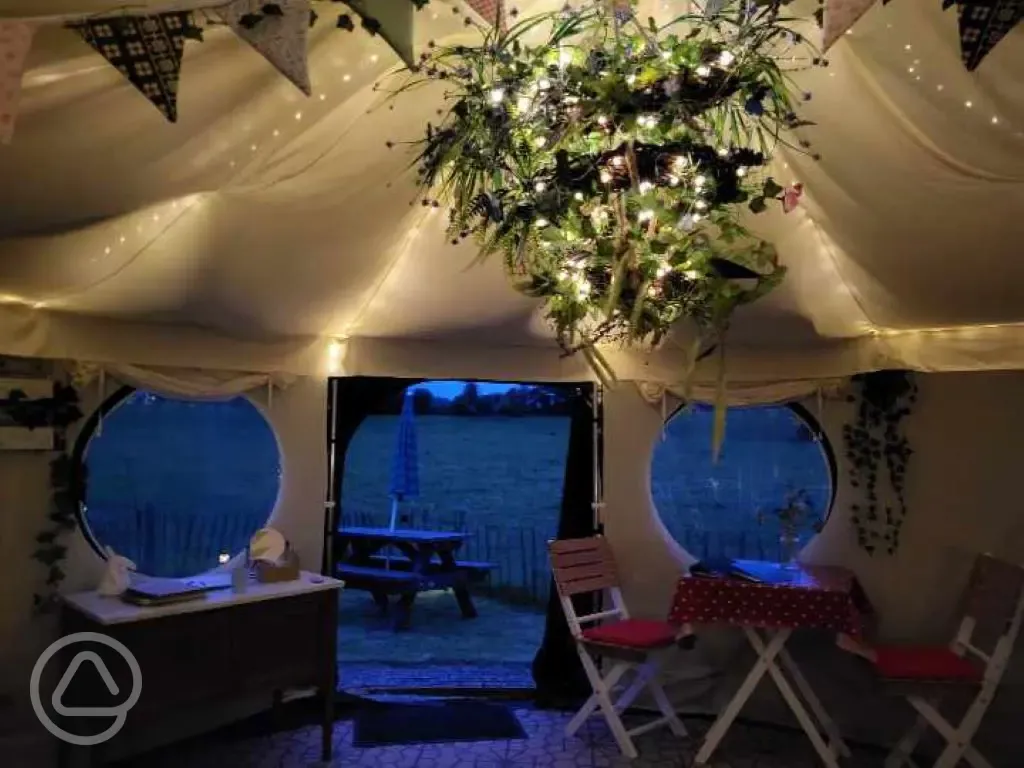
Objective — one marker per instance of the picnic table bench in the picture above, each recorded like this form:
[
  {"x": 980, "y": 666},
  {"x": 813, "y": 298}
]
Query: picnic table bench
[{"x": 427, "y": 562}]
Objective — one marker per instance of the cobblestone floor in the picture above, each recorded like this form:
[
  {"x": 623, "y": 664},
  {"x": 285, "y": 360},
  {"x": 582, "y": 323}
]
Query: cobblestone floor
[{"x": 545, "y": 746}]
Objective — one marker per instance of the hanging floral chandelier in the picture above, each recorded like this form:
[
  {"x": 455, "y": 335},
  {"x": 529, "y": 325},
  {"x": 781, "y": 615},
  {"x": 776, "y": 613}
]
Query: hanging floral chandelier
[{"x": 611, "y": 164}]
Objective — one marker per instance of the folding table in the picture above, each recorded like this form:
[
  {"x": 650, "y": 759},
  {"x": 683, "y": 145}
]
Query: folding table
[{"x": 768, "y": 610}]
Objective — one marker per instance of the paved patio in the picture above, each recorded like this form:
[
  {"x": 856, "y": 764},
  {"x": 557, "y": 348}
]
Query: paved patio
[{"x": 442, "y": 649}]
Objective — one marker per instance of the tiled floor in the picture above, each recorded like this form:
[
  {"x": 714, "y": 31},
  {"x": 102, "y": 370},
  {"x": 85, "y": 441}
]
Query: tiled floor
[{"x": 546, "y": 746}]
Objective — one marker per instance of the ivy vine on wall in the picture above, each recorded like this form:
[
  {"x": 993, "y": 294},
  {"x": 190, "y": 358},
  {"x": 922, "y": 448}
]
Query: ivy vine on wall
[
  {"x": 57, "y": 412},
  {"x": 877, "y": 449}
]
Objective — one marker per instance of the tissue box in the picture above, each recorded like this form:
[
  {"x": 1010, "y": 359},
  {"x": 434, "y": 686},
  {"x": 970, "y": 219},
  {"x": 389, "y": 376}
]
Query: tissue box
[{"x": 285, "y": 569}]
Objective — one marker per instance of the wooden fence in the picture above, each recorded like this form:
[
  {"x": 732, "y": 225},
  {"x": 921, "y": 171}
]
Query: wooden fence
[
  {"x": 522, "y": 575},
  {"x": 172, "y": 543}
]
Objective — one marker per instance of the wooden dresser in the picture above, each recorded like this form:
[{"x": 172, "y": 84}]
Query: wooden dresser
[{"x": 221, "y": 648}]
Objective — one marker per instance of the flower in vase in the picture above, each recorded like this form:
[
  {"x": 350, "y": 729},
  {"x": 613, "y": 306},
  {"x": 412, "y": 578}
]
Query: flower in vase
[{"x": 795, "y": 514}]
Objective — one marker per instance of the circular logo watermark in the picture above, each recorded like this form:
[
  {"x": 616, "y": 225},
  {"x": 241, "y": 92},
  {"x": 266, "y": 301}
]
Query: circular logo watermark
[{"x": 118, "y": 712}]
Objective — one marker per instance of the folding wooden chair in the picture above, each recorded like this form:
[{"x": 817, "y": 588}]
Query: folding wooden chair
[
  {"x": 582, "y": 566},
  {"x": 977, "y": 658}
]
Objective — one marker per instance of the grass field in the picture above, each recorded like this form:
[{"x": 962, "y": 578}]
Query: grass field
[
  {"x": 508, "y": 472},
  {"x": 713, "y": 507},
  {"x": 173, "y": 484},
  {"x": 501, "y": 478},
  {"x": 489, "y": 470}
]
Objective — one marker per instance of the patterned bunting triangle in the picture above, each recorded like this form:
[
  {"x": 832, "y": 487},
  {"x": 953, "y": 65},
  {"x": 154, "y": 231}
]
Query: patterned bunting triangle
[
  {"x": 280, "y": 37},
  {"x": 489, "y": 10},
  {"x": 15, "y": 43},
  {"x": 983, "y": 23},
  {"x": 840, "y": 15},
  {"x": 392, "y": 19},
  {"x": 147, "y": 50}
]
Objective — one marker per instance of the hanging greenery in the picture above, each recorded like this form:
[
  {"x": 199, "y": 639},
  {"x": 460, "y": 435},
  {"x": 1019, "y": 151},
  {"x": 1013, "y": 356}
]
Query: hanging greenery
[
  {"x": 58, "y": 413},
  {"x": 611, "y": 164},
  {"x": 875, "y": 444}
]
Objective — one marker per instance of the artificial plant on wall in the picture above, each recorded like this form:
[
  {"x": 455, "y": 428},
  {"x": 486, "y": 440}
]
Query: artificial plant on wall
[
  {"x": 611, "y": 162},
  {"x": 877, "y": 451},
  {"x": 57, "y": 412}
]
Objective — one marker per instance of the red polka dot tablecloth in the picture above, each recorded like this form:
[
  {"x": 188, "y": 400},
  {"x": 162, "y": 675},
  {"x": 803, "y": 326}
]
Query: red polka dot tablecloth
[{"x": 809, "y": 597}]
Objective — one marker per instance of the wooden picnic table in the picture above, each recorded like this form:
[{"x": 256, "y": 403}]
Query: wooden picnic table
[{"x": 427, "y": 561}]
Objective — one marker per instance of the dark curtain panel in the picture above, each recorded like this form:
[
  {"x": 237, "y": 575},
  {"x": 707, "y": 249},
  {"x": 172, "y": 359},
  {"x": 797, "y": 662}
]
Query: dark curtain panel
[
  {"x": 557, "y": 671},
  {"x": 358, "y": 397}
]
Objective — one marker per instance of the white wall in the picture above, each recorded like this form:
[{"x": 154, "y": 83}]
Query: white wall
[
  {"x": 968, "y": 434},
  {"x": 297, "y": 415}
]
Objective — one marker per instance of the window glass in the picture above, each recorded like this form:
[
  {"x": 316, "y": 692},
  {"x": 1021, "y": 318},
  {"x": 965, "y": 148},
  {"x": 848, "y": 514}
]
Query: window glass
[
  {"x": 175, "y": 484},
  {"x": 771, "y": 455}
]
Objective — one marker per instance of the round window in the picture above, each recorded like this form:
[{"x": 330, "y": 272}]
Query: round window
[
  {"x": 177, "y": 485},
  {"x": 773, "y": 458}
]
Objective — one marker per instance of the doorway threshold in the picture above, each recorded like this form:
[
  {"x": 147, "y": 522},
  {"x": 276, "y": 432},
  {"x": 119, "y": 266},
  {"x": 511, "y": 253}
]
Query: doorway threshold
[{"x": 431, "y": 675}]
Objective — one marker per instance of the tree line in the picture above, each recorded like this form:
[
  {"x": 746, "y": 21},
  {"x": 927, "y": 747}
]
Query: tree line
[{"x": 518, "y": 401}]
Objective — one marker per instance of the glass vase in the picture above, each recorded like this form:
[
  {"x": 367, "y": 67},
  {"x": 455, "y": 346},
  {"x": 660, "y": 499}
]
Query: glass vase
[{"x": 789, "y": 544}]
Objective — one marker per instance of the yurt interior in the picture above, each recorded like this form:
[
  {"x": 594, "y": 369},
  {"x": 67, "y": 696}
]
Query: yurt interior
[{"x": 483, "y": 384}]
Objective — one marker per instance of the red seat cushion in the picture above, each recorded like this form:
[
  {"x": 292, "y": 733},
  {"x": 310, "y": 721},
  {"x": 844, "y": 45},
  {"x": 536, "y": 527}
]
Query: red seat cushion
[
  {"x": 924, "y": 663},
  {"x": 633, "y": 633}
]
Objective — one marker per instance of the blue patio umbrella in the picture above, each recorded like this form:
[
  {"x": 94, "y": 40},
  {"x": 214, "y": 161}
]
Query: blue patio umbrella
[{"x": 405, "y": 471}]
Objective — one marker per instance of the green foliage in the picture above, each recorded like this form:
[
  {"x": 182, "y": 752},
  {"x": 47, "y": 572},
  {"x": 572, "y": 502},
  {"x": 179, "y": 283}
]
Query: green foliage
[
  {"x": 57, "y": 412},
  {"x": 884, "y": 399},
  {"x": 611, "y": 163}
]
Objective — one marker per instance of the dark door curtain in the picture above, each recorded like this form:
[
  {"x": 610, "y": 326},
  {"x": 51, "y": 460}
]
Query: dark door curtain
[
  {"x": 557, "y": 671},
  {"x": 357, "y": 397}
]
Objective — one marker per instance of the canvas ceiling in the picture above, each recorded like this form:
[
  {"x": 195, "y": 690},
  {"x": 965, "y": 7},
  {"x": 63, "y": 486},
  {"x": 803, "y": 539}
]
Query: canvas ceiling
[{"x": 264, "y": 224}]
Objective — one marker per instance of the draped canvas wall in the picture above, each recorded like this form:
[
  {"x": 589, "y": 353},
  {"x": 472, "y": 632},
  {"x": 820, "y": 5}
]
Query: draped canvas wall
[
  {"x": 266, "y": 234},
  {"x": 264, "y": 225}
]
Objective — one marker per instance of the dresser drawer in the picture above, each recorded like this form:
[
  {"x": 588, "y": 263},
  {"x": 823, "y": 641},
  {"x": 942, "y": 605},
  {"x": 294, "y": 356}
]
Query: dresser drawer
[{"x": 278, "y": 643}]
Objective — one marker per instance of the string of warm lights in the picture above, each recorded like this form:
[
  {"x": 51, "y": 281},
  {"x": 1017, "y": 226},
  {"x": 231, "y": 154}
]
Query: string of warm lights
[
  {"x": 917, "y": 71},
  {"x": 136, "y": 233}
]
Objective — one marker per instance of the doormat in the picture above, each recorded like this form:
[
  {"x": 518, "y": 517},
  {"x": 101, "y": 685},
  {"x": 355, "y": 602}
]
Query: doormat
[{"x": 450, "y": 721}]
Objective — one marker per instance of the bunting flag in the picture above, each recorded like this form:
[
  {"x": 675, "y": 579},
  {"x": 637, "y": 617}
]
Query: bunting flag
[
  {"x": 15, "y": 42},
  {"x": 392, "y": 20},
  {"x": 147, "y": 50},
  {"x": 983, "y": 23},
  {"x": 489, "y": 10},
  {"x": 280, "y": 37},
  {"x": 840, "y": 15}
]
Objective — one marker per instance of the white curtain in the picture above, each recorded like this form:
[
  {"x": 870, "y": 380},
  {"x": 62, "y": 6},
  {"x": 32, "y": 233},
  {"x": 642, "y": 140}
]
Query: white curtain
[
  {"x": 186, "y": 383},
  {"x": 743, "y": 393}
]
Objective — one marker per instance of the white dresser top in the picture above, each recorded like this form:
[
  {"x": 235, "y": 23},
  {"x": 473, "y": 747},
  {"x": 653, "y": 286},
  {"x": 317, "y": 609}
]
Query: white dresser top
[{"x": 112, "y": 610}]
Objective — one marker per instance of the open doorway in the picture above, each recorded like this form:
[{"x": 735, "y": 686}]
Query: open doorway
[{"x": 427, "y": 473}]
